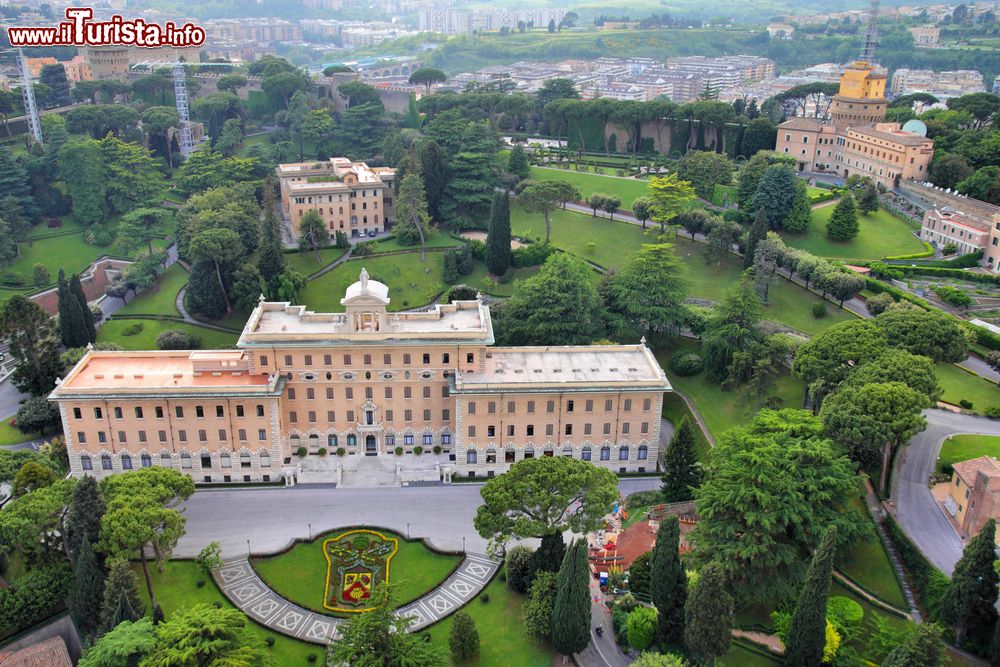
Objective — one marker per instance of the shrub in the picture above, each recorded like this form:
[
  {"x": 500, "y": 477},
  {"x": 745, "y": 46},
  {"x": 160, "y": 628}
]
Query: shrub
[
  {"x": 437, "y": 449},
  {"x": 398, "y": 451},
  {"x": 844, "y": 612},
  {"x": 12, "y": 278},
  {"x": 322, "y": 451},
  {"x": 300, "y": 452},
  {"x": 686, "y": 364},
  {"x": 949, "y": 249},
  {"x": 269, "y": 641},
  {"x": 363, "y": 250},
  {"x": 879, "y": 302},
  {"x": 953, "y": 296},
  {"x": 640, "y": 627},
  {"x": 992, "y": 412},
  {"x": 312, "y": 657},
  {"x": 426, "y": 636},
  {"x": 518, "y": 568},
  {"x": 591, "y": 246},
  {"x": 133, "y": 329},
  {"x": 732, "y": 215},
  {"x": 506, "y": 277},
  {"x": 99, "y": 236},
  {"x": 175, "y": 339},
  {"x": 41, "y": 274},
  {"x": 461, "y": 293},
  {"x": 217, "y": 604},
  {"x": 965, "y": 404},
  {"x": 200, "y": 583},
  {"x": 484, "y": 598},
  {"x": 341, "y": 451},
  {"x": 478, "y": 250},
  {"x": 418, "y": 450},
  {"x": 819, "y": 309},
  {"x": 532, "y": 254}
]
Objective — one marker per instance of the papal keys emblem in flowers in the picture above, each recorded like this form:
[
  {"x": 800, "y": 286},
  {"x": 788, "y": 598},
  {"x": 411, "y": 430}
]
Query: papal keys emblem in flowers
[{"x": 357, "y": 561}]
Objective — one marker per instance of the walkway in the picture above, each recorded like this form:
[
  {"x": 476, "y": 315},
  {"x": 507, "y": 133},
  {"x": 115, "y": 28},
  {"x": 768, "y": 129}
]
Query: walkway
[{"x": 241, "y": 584}]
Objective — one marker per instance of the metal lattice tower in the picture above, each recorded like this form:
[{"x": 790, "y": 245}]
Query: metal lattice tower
[
  {"x": 28, "y": 93},
  {"x": 870, "y": 40},
  {"x": 180, "y": 94}
]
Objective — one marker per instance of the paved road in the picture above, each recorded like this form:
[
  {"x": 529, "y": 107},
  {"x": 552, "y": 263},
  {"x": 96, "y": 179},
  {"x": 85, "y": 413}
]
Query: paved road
[
  {"x": 917, "y": 512},
  {"x": 602, "y": 651},
  {"x": 271, "y": 518}
]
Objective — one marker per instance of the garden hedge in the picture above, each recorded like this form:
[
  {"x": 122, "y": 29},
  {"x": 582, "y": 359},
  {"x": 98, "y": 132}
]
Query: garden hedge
[{"x": 929, "y": 583}]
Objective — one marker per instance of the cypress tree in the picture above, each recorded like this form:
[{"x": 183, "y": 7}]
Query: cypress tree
[
  {"x": 72, "y": 329},
  {"x": 995, "y": 646},
  {"x": 868, "y": 199},
  {"x": 708, "y": 616},
  {"x": 498, "y": 235},
  {"x": 571, "y": 611},
  {"x": 843, "y": 224},
  {"x": 270, "y": 258},
  {"x": 87, "y": 592},
  {"x": 517, "y": 163},
  {"x": 668, "y": 582},
  {"x": 434, "y": 165},
  {"x": 758, "y": 232},
  {"x": 549, "y": 555},
  {"x": 121, "y": 597},
  {"x": 968, "y": 603},
  {"x": 682, "y": 473},
  {"x": 76, "y": 287},
  {"x": 463, "y": 639},
  {"x": 807, "y": 633},
  {"x": 83, "y": 518}
]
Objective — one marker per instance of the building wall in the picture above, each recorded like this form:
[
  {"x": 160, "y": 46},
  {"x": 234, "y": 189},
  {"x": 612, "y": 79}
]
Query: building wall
[
  {"x": 345, "y": 205},
  {"x": 813, "y": 149},
  {"x": 106, "y": 63},
  {"x": 984, "y": 503},
  {"x": 883, "y": 160},
  {"x": 941, "y": 229}
]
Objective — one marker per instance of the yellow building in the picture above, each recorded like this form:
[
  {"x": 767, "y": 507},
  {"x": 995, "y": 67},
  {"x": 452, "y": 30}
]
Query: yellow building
[
  {"x": 974, "y": 494},
  {"x": 424, "y": 392}
]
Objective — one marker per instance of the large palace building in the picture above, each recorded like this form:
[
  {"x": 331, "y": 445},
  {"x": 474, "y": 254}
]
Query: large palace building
[{"x": 368, "y": 382}]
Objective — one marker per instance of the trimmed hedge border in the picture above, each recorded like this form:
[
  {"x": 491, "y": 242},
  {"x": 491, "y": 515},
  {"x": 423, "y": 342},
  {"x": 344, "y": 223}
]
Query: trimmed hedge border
[
  {"x": 929, "y": 583},
  {"x": 876, "y": 600}
]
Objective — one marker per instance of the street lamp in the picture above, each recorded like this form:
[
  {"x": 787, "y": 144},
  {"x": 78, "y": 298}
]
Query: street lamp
[
  {"x": 463, "y": 544},
  {"x": 310, "y": 531},
  {"x": 407, "y": 530},
  {"x": 248, "y": 547}
]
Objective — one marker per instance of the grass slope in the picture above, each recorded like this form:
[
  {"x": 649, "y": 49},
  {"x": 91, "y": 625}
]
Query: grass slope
[
  {"x": 959, "y": 384},
  {"x": 969, "y": 446},
  {"x": 111, "y": 332},
  {"x": 882, "y": 234},
  {"x": 161, "y": 298},
  {"x": 412, "y": 283},
  {"x": 629, "y": 189}
]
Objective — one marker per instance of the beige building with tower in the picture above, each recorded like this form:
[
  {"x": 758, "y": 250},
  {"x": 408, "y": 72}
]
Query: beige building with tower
[
  {"x": 974, "y": 494},
  {"x": 424, "y": 389},
  {"x": 350, "y": 197}
]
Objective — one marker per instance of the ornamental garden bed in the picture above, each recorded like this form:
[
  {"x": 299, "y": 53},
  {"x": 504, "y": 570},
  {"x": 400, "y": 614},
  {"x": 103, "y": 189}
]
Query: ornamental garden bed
[{"x": 335, "y": 572}]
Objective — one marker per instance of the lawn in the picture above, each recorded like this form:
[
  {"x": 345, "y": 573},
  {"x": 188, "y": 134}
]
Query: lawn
[
  {"x": 66, "y": 252},
  {"x": 306, "y": 264},
  {"x": 675, "y": 409},
  {"x": 11, "y": 435},
  {"x": 160, "y": 299},
  {"x": 176, "y": 587},
  {"x": 724, "y": 195},
  {"x": 968, "y": 446},
  {"x": 111, "y": 332},
  {"x": 412, "y": 283},
  {"x": 629, "y": 189},
  {"x": 440, "y": 239},
  {"x": 725, "y": 409},
  {"x": 959, "y": 384},
  {"x": 868, "y": 564},
  {"x": 743, "y": 657},
  {"x": 882, "y": 234},
  {"x": 300, "y": 573},
  {"x": 479, "y": 274}
]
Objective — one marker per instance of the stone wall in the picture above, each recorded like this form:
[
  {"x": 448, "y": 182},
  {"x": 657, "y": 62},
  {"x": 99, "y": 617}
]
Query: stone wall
[{"x": 94, "y": 280}]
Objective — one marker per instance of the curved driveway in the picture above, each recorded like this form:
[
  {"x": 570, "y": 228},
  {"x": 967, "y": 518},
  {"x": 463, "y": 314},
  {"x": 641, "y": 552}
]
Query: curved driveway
[{"x": 916, "y": 510}]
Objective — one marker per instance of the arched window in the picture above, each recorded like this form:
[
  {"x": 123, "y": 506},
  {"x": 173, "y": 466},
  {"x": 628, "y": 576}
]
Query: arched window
[
  {"x": 643, "y": 452},
  {"x": 126, "y": 462},
  {"x": 105, "y": 462},
  {"x": 568, "y": 451},
  {"x": 491, "y": 455},
  {"x": 623, "y": 453},
  {"x": 244, "y": 459},
  {"x": 585, "y": 454},
  {"x": 352, "y": 440},
  {"x": 86, "y": 463},
  {"x": 295, "y": 442},
  {"x": 471, "y": 456},
  {"x": 313, "y": 441},
  {"x": 146, "y": 460},
  {"x": 165, "y": 459},
  {"x": 529, "y": 453},
  {"x": 225, "y": 460},
  {"x": 331, "y": 440},
  {"x": 185, "y": 460},
  {"x": 265, "y": 459},
  {"x": 605, "y": 453}
]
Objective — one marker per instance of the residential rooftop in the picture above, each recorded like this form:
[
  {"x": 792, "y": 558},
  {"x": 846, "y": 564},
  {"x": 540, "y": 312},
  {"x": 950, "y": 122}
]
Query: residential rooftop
[{"x": 969, "y": 470}]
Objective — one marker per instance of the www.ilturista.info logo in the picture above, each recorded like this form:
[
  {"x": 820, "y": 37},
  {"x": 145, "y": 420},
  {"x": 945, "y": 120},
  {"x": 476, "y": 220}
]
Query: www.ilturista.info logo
[{"x": 79, "y": 30}]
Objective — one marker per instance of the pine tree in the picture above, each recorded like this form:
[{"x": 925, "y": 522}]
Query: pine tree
[
  {"x": 517, "y": 163},
  {"x": 923, "y": 648},
  {"x": 8, "y": 245},
  {"x": 498, "y": 235},
  {"x": 571, "y": 612},
  {"x": 549, "y": 555},
  {"x": 34, "y": 342},
  {"x": 758, "y": 232},
  {"x": 464, "y": 638},
  {"x": 868, "y": 199},
  {"x": 412, "y": 218},
  {"x": 968, "y": 604},
  {"x": 995, "y": 646},
  {"x": 843, "y": 224},
  {"x": 14, "y": 183},
  {"x": 668, "y": 582},
  {"x": 87, "y": 592},
  {"x": 708, "y": 615},
  {"x": 121, "y": 596},
  {"x": 434, "y": 165},
  {"x": 83, "y": 518},
  {"x": 270, "y": 258},
  {"x": 682, "y": 473},
  {"x": 76, "y": 288},
  {"x": 807, "y": 634}
]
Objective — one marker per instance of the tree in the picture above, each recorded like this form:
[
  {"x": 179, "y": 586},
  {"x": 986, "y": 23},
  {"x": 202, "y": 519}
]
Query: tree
[
  {"x": 32, "y": 476},
  {"x": 968, "y": 604},
  {"x": 916, "y": 372},
  {"x": 121, "y": 601},
  {"x": 87, "y": 591},
  {"x": 639, "y": 574},
  {"x": 469, "y": 191},
  {"x": 8, "y": 244},
  {"x": 868, "y": 199},
  {"x": 772, "y": 488},
  {"x": 133, "y": 176},
  {"x": 611, "y": 204},
  {"x": 32, "y": 522},
  {"x": 281, "y": 86},
  {"x": 33, "y": 343},
  {"x": 37, "y": 415},
  {"x": 984, "y": 184},
  {"x": 14, "y": 183},
  {"x": 231, "y": 136},
  {"x": 83, "y": 519},
  {"x": 158, "y": 122},
  {"x": 140, "y": 226},
  {"x": 379, "y": 637},
  {"x": 517, "y": 163},
  {"x": 828, "y": 357},
  {"x": 71, "y": 324},
  {"x": 544, "y": 197},
  {"x": 54, "y": 76},
  {"x": 950, "y": 169},
  {"x": 498, "y": 235},
  {"x": 648, "y": 292},
  {"x": 538, "y": 607},
  {"x": 537, "y": 497},
  {"x": 548, "y": 557},
  {"x": 177, "y": 339},
  {"x": 426, "y": 77},
  {"x": 412, "y": 217},
  {"x": 776, "y": 194},
  {"x": 682, "y": 474},
  {"x": 463, "y": 638},
  {"x": 207, "y": 168},
  {"x": 140, "y": 516},
  {"x": 843, "y": 224},
  {"x": 204, "y": 295},
  {"x": 123, "y": 645},
  {"x": 230, "y": 83},
  {"x": 557, "y": 306},
  {"x": 571, "y": 610},
  {"x": 221, "y": 246},
  {"x": 924, "y": 647},
  {"x": 206, "y": 635},
  {"x": 807, "y": 633},
  {"x": 708, "y": 615},
  {"x": 758, "y": 232},
  {"x": 82, "y": 167},
  {"x": 517, "y": 567},
  {"x": 668, "y": 582},
  {"x": 759, "y": 134},
  {"x": 670, "y": 196},
  {"x": 732, "y": 330},
  {"x": 749, "y": 180},
  {"x": 640, "y": 627},
  {"x": 935, "y": 335},
  {"x": 643, "y": 208},
  {"x": 658, "y": 660},
  {"x": 434, "y": 166},
  {"x": 982, "y": 106},
  {"x": 313, "y": 233},
  {"x": 704, "y": 170},
  {"x": 722, "y": 235},
  {"x": 41, "y": 275}
]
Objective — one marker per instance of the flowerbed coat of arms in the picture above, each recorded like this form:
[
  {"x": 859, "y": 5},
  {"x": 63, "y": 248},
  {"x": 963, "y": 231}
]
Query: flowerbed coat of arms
[{"x": 356, "y": 562}]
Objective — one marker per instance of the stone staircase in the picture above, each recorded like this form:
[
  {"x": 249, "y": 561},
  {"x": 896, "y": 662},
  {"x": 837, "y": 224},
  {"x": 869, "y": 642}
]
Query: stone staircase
[{"x": 371, "y": 471}]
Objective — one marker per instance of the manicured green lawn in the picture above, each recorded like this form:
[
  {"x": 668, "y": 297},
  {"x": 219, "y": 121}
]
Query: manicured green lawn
[
  {"x": 724, "y": 195},
  {"x": 176, "y": 588},
  {"x": 959, "y": 384},
  {"x": 67, "y": 252},
  {"x": 111, "y": 332},
  {"x": 300, "y": 573},
  {"x": 964, "y": 447},
  {"x": 412, "y": 283},
  {"x": 741, "y": 657},
  {"x": 305, "y": 262},
  {"x": 725, "y": 409},
  {"x": 11, "y": 435},
  {"x": 502, "y": 639},
  {"x": 262, "y": 139},
  {"x": 161, "y": 298},
  {"x": 629, "y": 189},
  {"x": 881, "y": 235},
  {"x": 675, "y": 409},
  {"x": 868, "y": 564},
  {"x": 439, "y": 239}
]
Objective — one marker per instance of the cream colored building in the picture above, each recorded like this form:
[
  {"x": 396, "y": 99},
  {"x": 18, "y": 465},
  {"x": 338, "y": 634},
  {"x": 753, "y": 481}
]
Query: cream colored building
[
  {"x": 926, "y": 35},
  {"x": 368, "y": 382},
  {"x": 350, "y": 197},
  {"x": 974, "y": 494}
]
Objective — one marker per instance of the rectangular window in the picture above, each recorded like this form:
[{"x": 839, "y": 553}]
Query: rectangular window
[
  {"x": 491, "y": 431},
  {"x": 388, "y": 415},
  {"x": 368, "y": 360},
  {"x": 327, "y": 359},
  {"x": 330, "y": 416},
  {"x": 312, "y": 416},
  {"x": 260, "y": 410},
  {"x": 569, "y": 429},
  {"x": 549, "y": 429},
  {"x": 644, "y": 428},
  {"x": 159, "y": 412},
  {"x": 138, "y": 412},
  {"x": 388, "y": 392},
  {"x": 350, "y": 415},
  {"x": 427, "y": 392},
  {"x": 587, "y": 429},
  {"x": 288, "y": 360},
  {"x": 121, "y": 436},
  {"x": 530, "y": 430},
  {"x": 308, "y": 360},
  {"x": 426, "y": 358},
  {"x": 161, "y": 436},
  {"x": 387, "y": 359},
  {"x": 427, "y": 415},
  {"x": 368, "y": 393},
  {"x": 628, "y": 405},
  {"x": 347, "y": 360},
  {"x": 445, "y": 415},
  {"x": 607, "y": 428},
  {"x": 605, "y": 453},
  {"x": 428, "y": 439},
  {"x": 510, "y": 407},
  {"x": 472, "y": 431},
  {"x": 446, "y": 438},
  {"x": 118, "y": 413},
  {"x": 239, "y": 411},
  {"x": 408, "y": 415},
  {"x": 623, "y": 454},
  {"x": 445, "y": 358},
  {"x": 86, "y": 463},
  {"x": 291, "y": 393},
  {"x": 406, "y": 359},
  {"x": 625, "y": 428},
  {"x": 470, "y": 358},
  {"x": 349, "y": 394},
  {"x": 220, "y": 411},
  {"x": 206, "y": 461},
  {"x": 510, "y": 430},
  {"x": 263, "y": 360},
  {"x": 261, "y": 434},
  {"x": 202, "y": 435},
  {"x": 607, "y": 405},
  {"x": 408, "y": 440},
  {"x": 407, "y": 392},
  {"x": 531, "y": 406},
  {"x": 142, "y": 436},
  {"x": 569, "y": 405},
  {"x": 182, "y": 435},
  {"x": 329, "y": 393},
  {"x": 101, "y": 437},
  {"x": 444, "y": 391},
  {"x": 310, "y": 393},
  {"x": 199, "y": 411},
  {"x": 589, "y": 405},
  {"x": 293, "y": 417},
  {"x": 81, "y": 437},
  {"x": 646, "y": 403},
  {"x": 550, "y": 406},
  {"x": 471, "y": 408},
  {"x": 242, "y": 433}
]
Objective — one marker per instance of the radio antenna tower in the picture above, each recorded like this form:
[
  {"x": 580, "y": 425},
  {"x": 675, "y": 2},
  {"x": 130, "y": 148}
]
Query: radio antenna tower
[
  {"x": 870, "y": 40},
  {"x": 186, "y": 143},
  {"x": 28, "y": 93}
]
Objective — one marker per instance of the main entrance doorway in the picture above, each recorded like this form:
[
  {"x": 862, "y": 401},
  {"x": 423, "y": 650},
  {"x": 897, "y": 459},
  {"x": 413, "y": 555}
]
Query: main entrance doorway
[{"x": 371, "y": 448}]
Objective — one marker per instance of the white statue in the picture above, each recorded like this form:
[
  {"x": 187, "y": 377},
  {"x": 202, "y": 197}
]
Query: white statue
[{"x": 364, "y": 277}]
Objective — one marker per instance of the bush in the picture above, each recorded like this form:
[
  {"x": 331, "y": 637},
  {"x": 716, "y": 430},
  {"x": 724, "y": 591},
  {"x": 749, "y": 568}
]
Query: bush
[
  {"x": 879, "y": 302},
  {"x": 484, "y": 598},
  {"x": 200, "y": 583},
  {"x": 133, "y": 329},
  {"x": 300, "y": 452},
  {"x": 437, "y": 449},
  {"x": 844, "y": 612},
  {"x": 640, "y": 628},
  {"x": 175, "y": 339},
  {"x": 518, "y": 568},
  {"x": 269, "y": 641},
  {"x": 819, "y": 309},
  {"x": 99, "y": 236},
  {"x": 965, "y": 404},
  {"x": 312, "y": 657},
  {"x": 953, "y": 296},
  {"x": 322, "y": 451},
  {"x": 949, "y": 249},
  {"x": 478, "y": 250},
  {"x": 12, "y": 278},
  {"x": 41, "y": 274},
  {"x": 992, "y": 412},
  {"x": 341, "y": 451},
  {"x": 398, "y": 451},
  {"x": 34, "y": 596},
  {"x": 732, "y": 215},
  {"x": 506, "y": 277},
  {"x": 418, "y": 450},
  {"x": 531, "y": 254},
  {"x": 686, "y": 364},
  {"x": 461, "y": 293},
  {"x": 363, "y": 250}
]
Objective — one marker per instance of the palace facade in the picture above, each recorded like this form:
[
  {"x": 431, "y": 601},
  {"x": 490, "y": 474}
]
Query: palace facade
[{"x": 365, "y": 382}]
